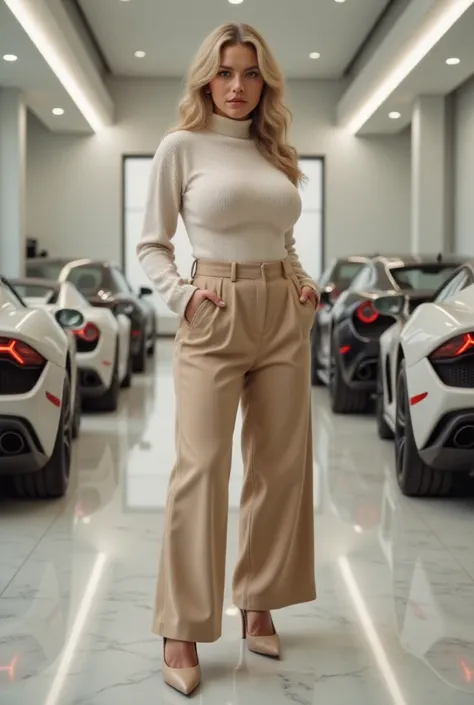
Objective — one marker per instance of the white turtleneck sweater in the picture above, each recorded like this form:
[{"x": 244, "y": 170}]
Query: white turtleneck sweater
[{"x": 236, "y": 206}]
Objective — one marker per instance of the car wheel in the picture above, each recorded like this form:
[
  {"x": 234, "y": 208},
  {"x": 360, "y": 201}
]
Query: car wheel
[
  {"x": 344, "y": 400},
  {"x": 316, "y": 381},
  {"x": 76, "y": 421},
  {"x": 109, "y": 400},
  {"x": 383, "y": 429},
  {"x": 139, "y": 360},
  {"x": 52, "y": 480},
  {"x": 415, "y": 478},
  {"x": 127, "y": 380}
]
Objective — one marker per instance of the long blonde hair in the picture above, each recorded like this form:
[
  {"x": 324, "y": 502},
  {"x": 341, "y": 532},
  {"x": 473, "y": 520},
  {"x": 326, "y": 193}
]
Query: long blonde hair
[{"x": 270, "y": 119}]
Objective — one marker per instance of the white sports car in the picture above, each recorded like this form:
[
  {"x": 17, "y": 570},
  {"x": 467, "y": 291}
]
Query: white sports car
[
  {"x": 38, "y": 410},
  {"x": 427, "y": 377},
  {"x": 103, "y": 343}
]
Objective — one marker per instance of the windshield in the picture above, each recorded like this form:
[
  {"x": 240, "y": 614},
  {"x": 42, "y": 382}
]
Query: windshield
[
  {"x": 87, "y": 278},
  {"x": 422, "y": 277},
  {"x": 345, "y": 272},
  {"x": 44, "y": 270},
  {"x": 46, "y": 294}
]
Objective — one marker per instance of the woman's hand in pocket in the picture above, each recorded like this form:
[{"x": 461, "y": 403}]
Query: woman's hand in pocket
[
  {"x": 198, "y": 298},
  {"x": 309, "y": 294}
]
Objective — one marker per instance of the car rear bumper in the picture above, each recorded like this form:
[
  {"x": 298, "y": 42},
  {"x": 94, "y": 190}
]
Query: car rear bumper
[
  {"x": 359, "y": 359},
  {"x": 20, "y": 449},
  {"x": 439, "y": 417},
  {"x": 40, "y": 408},
  {"x": 97, "y": 364},
  {"x": 451, "y": 445},
  {"x": 91, "y": 383}
]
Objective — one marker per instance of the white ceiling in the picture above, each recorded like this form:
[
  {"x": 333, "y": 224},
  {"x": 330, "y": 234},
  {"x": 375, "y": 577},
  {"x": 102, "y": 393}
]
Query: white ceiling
[
  {"x": 432, "y": 76},
  {"x": 171, "y": 31},
  {"x": 32, "y": 75}
]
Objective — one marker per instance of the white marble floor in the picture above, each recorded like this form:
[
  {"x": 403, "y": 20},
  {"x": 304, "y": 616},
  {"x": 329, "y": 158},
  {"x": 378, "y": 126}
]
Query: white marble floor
[{"x": 393, "y": 624}]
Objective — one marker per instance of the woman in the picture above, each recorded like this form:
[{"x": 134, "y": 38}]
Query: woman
[{"x": 246, "y": 317}]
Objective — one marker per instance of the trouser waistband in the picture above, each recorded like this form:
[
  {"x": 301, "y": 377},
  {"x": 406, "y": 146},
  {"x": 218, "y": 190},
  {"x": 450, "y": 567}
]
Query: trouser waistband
[{"x": 236, "y": 270}]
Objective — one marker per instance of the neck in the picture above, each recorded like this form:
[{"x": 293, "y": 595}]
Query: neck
[{"x": 230, "y": 128}]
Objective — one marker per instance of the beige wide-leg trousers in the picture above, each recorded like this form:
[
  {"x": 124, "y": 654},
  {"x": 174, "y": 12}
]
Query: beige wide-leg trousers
[{"x": 255, "y": 351}]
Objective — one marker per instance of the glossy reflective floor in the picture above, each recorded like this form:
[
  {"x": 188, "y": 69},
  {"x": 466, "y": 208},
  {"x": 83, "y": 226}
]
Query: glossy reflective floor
[{"x": 394, "y": 622}]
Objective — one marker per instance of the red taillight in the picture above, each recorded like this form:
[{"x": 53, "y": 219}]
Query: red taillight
[
  {"x": 366, "y": 313},
  {"x": 417, "y": 398},
  {"x": 20, "y": 352},
  {"x": 89, "y": 332},
  {"x": 454, "y": 347},
  {"x": 344, "y": 349},
  {"x": 135, "y": 333}
]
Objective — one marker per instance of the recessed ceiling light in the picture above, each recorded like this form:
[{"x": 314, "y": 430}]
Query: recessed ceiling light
[
  {"x": 140, "y": 54},
  {"x": 236, "y": 2},
  {"x": 340, "y": 1},
  {"x": 314, "y": 55},
  {"x": 394, "y": 115},
  {"x": 453, "y": 61},
  {"x": 431, "y": 34},
  {"x": 58, "y": 111},
  {"x": 10, "y": 57}
]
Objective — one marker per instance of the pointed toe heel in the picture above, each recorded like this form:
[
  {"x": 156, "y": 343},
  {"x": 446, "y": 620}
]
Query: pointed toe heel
[
  {"x": 184, "y": 680},
  {"x": 263, "y": 645}
]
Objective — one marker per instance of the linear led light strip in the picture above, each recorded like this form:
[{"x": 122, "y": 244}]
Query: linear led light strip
[
  {"x": 454, "y": 10},
  {"x": 30, "y": 24}
]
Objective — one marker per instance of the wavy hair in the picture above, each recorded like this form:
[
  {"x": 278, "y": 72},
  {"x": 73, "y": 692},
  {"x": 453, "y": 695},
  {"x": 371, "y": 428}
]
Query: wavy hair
[{"x": 270, "y": 119}]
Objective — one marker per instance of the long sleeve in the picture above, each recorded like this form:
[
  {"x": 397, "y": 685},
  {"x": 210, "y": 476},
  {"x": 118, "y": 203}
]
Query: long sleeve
[
  {"x": 303, "y": 278},
  {"x": 155, "y": 250}
]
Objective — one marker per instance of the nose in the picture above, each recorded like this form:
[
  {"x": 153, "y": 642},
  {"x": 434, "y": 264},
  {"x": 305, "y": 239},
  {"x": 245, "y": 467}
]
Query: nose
[{"x": 238, "y": 84}]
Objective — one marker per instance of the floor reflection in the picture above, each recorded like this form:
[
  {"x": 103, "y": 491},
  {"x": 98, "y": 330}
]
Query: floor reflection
[{"x": 393, "y": 623}]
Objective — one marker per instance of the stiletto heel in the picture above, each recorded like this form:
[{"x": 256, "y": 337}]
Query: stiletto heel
[
  {"x": 184, "y": 680},
  {"x": 263, "y": 645}
]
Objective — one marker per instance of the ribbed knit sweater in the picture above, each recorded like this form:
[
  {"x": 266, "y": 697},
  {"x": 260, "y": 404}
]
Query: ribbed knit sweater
[{"x": 236, "y": 206}]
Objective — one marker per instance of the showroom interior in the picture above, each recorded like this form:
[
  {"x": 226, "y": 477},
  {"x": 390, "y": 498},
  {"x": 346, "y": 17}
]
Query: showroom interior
[{"x": 382, "y": 100}]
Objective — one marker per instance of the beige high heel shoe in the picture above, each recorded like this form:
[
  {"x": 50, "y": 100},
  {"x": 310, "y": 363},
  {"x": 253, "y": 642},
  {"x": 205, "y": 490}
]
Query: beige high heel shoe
[
  {"x": 184, "y": 680},
  {"x": 263, "y": 645}
]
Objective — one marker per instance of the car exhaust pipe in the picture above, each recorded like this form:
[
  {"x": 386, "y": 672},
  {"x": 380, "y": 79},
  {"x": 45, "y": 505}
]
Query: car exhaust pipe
[
  {"x": 88, "y": 380},
  {"x": 11, "y": 443},
  {"x": 464, "y": 437},
  {"x": 364, "y": 372}
]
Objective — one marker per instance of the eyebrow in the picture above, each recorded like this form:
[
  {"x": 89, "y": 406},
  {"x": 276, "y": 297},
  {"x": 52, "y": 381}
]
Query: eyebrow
[{"x": 229, "y": 68}]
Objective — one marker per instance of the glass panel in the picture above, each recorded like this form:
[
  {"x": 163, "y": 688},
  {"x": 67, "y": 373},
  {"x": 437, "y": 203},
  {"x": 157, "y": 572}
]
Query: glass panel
[{"x": 422, "y": 277}]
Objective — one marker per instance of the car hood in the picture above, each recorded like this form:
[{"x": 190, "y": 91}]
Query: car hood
[
  {"x": 37, "y": 328},
  {"x": 432, "y": 324}
]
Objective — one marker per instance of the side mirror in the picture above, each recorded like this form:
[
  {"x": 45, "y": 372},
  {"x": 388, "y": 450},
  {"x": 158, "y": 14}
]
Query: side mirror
[
  {"x": 145, "y": 291},
  {"x": 389, "y": 305},
  {"x": 69, "y": 318}
]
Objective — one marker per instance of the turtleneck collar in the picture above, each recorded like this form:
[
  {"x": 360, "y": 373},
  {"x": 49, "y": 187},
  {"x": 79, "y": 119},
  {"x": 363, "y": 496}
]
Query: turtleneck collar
[{"x": 230, "y": 128}]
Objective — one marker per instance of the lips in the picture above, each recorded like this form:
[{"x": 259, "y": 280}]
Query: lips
[{"x": 237, "y": 102}]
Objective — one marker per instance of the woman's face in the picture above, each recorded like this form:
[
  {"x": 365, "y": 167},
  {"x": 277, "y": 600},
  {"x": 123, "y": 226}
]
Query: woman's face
[{"x": 237, "y": 88}]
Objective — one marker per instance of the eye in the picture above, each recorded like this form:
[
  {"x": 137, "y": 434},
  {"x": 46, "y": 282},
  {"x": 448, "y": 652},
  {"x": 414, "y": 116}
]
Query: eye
[
  {"x": 253, "y": 74},
  {"x": 224, "y": 73}
]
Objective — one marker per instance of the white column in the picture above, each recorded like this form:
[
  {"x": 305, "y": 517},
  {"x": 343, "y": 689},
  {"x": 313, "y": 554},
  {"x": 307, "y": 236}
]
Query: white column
[
  {"x": 12, "y": 182},
  {"x": 429, "y": 176}
]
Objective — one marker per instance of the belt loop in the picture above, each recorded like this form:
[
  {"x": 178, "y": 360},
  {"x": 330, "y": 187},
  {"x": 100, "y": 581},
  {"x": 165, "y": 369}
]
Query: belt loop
[
  {"x": 193, "y": 269},
  {"x": 287, "y": 268},
  {"x": 263, "y": 270},
  {"x": 233, "y": 272},
  {"x": 283, "y": 268}
]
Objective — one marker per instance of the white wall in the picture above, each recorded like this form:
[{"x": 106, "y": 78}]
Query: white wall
[
  {"x": 74, "y": 183},
  {"x": 464, "y": 169}
]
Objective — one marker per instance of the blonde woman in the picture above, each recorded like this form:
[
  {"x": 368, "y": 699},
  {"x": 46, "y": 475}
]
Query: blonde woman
[{"x": 245, "y": 321}]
